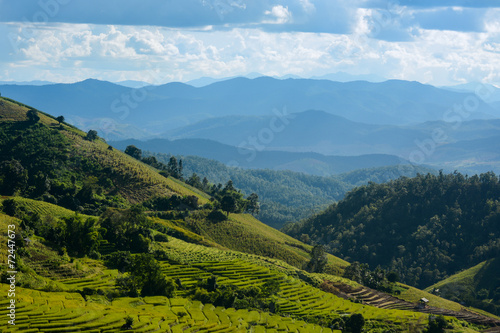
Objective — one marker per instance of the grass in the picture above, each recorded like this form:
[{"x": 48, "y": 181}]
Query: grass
[
  {"x": 244, "y": 233},
  {"x": 133, "y": 179},
  {"x": 414, "y": 295},
  {"x": 42, "y": 208},
  {"x": 297, "y": 298},
  {"x": 5, "y": 221},
  {"x": 66, "y": 312},
  {"x": 472, "y": 277}
]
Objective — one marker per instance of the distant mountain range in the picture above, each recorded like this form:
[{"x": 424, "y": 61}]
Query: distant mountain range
[
  {"x": 470, "y": 146},
  {"x": 112, "y": 108},
  {"x": 451, "y": 127},
  {"x": 311, "y": 163},
  {"x": 487, "y": 92}
]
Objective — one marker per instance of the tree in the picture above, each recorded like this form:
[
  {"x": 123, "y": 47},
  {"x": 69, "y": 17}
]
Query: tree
[
  {"x": 229, "y": 204},
  {"x": 60, "y": 119},
  {"x": 173, "y": 167},
  {"x": 11, "y": 208},
  {"x": 32, "y": 116},
  {"x": 150, "y": 278},
  {"x": 318, "y": 260},
  {"x": 355, "y": 323},
  {"x": 180, "y": 169},
  {"x": 253, "y": 206},
  {"x": 91, "y": 135},
  {"x": 124, "y": 227},
  {"x": 81, "y": 236},
  {"x": 13, "y": 177},
  {"x": 134, "y": 152},
  {"x": 195, "y": 181},
  {"x": 393, "y": 277},
  {"x": 229, "y": 187},
  {"x": 129, "y": 322},
  {"x": 437, "y": 324}
]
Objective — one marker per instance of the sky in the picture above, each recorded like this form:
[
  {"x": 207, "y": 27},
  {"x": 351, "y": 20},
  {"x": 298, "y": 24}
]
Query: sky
[{"x": 443, "y": 42}]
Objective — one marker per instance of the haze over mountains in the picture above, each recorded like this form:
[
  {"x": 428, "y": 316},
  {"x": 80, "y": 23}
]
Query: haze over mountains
[
  {"x": 453, "y": 127},
  {"x": 161, "y": 108}
]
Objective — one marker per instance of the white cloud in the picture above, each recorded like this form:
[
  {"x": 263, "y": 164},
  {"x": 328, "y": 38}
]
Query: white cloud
[
  {"x": 307, "y": 6},
  {"x": 66, "y": 52},
  {"x": 491, "y": 21},
  {"x": 280, "y": 14}
]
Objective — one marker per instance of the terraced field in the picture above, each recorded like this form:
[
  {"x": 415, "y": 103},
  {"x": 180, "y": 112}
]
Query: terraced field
[
  {"x": 385, "y": 301},
  {"x": 297, "y": 299},
  {"x": 42, "y": 208},
  {"x": 68, "y": 312}
]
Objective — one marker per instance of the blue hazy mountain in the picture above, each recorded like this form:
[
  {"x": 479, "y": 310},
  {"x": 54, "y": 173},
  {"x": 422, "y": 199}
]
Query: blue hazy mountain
[
  {"x": 310, "y": 163},
  {"x": 156, "y": 109},
  {"x": 471, "y": 146}
]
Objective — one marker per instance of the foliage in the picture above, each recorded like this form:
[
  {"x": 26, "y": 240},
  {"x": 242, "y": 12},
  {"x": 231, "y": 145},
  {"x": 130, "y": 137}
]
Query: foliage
[
  {"x": 13, "y": 177},
  {"x": 423, "y": 228},
  {"x": 134, "y": 152},
  {"x": 173, "y": 202},
  {"x": 216, "y": 215},
  {"x": 355, "y": 323},
  {"x": 318, "y": 260},
  {"x": 146, "y": 278},
  {"x": 33, "y": 116},
  {"x": 231, "y": 200},
  {"x": 91, "y": 135},
  {"x": 437, "y": 324},
  {"x": 377, "y": 279},
  {"x": 129, "y": 321},
  {"x": 128, "y": 229},
  {"x": 121, "y": 260}
]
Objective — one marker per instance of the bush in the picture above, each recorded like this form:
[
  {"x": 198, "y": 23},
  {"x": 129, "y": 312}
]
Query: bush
[
  {"x": 437, "y": 324},
  {"x": 120, "y": 260},
  {"x": 94, "y": 255},
  {"x": 393, "y": 277},
  {"x": 216, "y": 216},
  {"x": 355, "y": 323},
  {"x": 161, "y": 238},
  {"x": 129, "y": 321}
]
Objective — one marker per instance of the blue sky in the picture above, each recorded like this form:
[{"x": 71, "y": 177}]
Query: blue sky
[{"x": 438, "y": 42}]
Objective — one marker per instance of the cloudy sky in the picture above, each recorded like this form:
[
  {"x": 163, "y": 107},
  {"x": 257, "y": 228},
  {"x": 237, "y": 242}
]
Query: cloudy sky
[{"x": 179, "y": 40}]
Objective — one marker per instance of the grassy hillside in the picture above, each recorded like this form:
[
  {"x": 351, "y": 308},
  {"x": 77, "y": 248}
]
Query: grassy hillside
[
  {"x": 57, "y": 163},
  {"x": 478, "y": 286}
]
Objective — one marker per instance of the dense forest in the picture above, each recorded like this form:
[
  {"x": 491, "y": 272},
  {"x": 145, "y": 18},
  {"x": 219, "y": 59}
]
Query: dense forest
[{"x": 424, "y": 228}]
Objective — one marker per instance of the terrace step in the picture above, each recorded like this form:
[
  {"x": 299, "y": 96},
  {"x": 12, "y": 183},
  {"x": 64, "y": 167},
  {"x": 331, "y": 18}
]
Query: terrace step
[{"x": 385, "y": 301}]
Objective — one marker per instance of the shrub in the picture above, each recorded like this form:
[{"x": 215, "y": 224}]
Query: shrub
[
  {"x": 216, "y": 216},
  {"x": 161, "y": 238}
]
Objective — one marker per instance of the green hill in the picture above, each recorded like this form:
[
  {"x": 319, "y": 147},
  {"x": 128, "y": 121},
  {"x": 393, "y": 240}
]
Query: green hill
[
  {"x": 425, "y": 228},
  {"x": 478, "y": 286},
  {"x": 142, "y": 252},
  {"x": 55, "y": 162}
]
